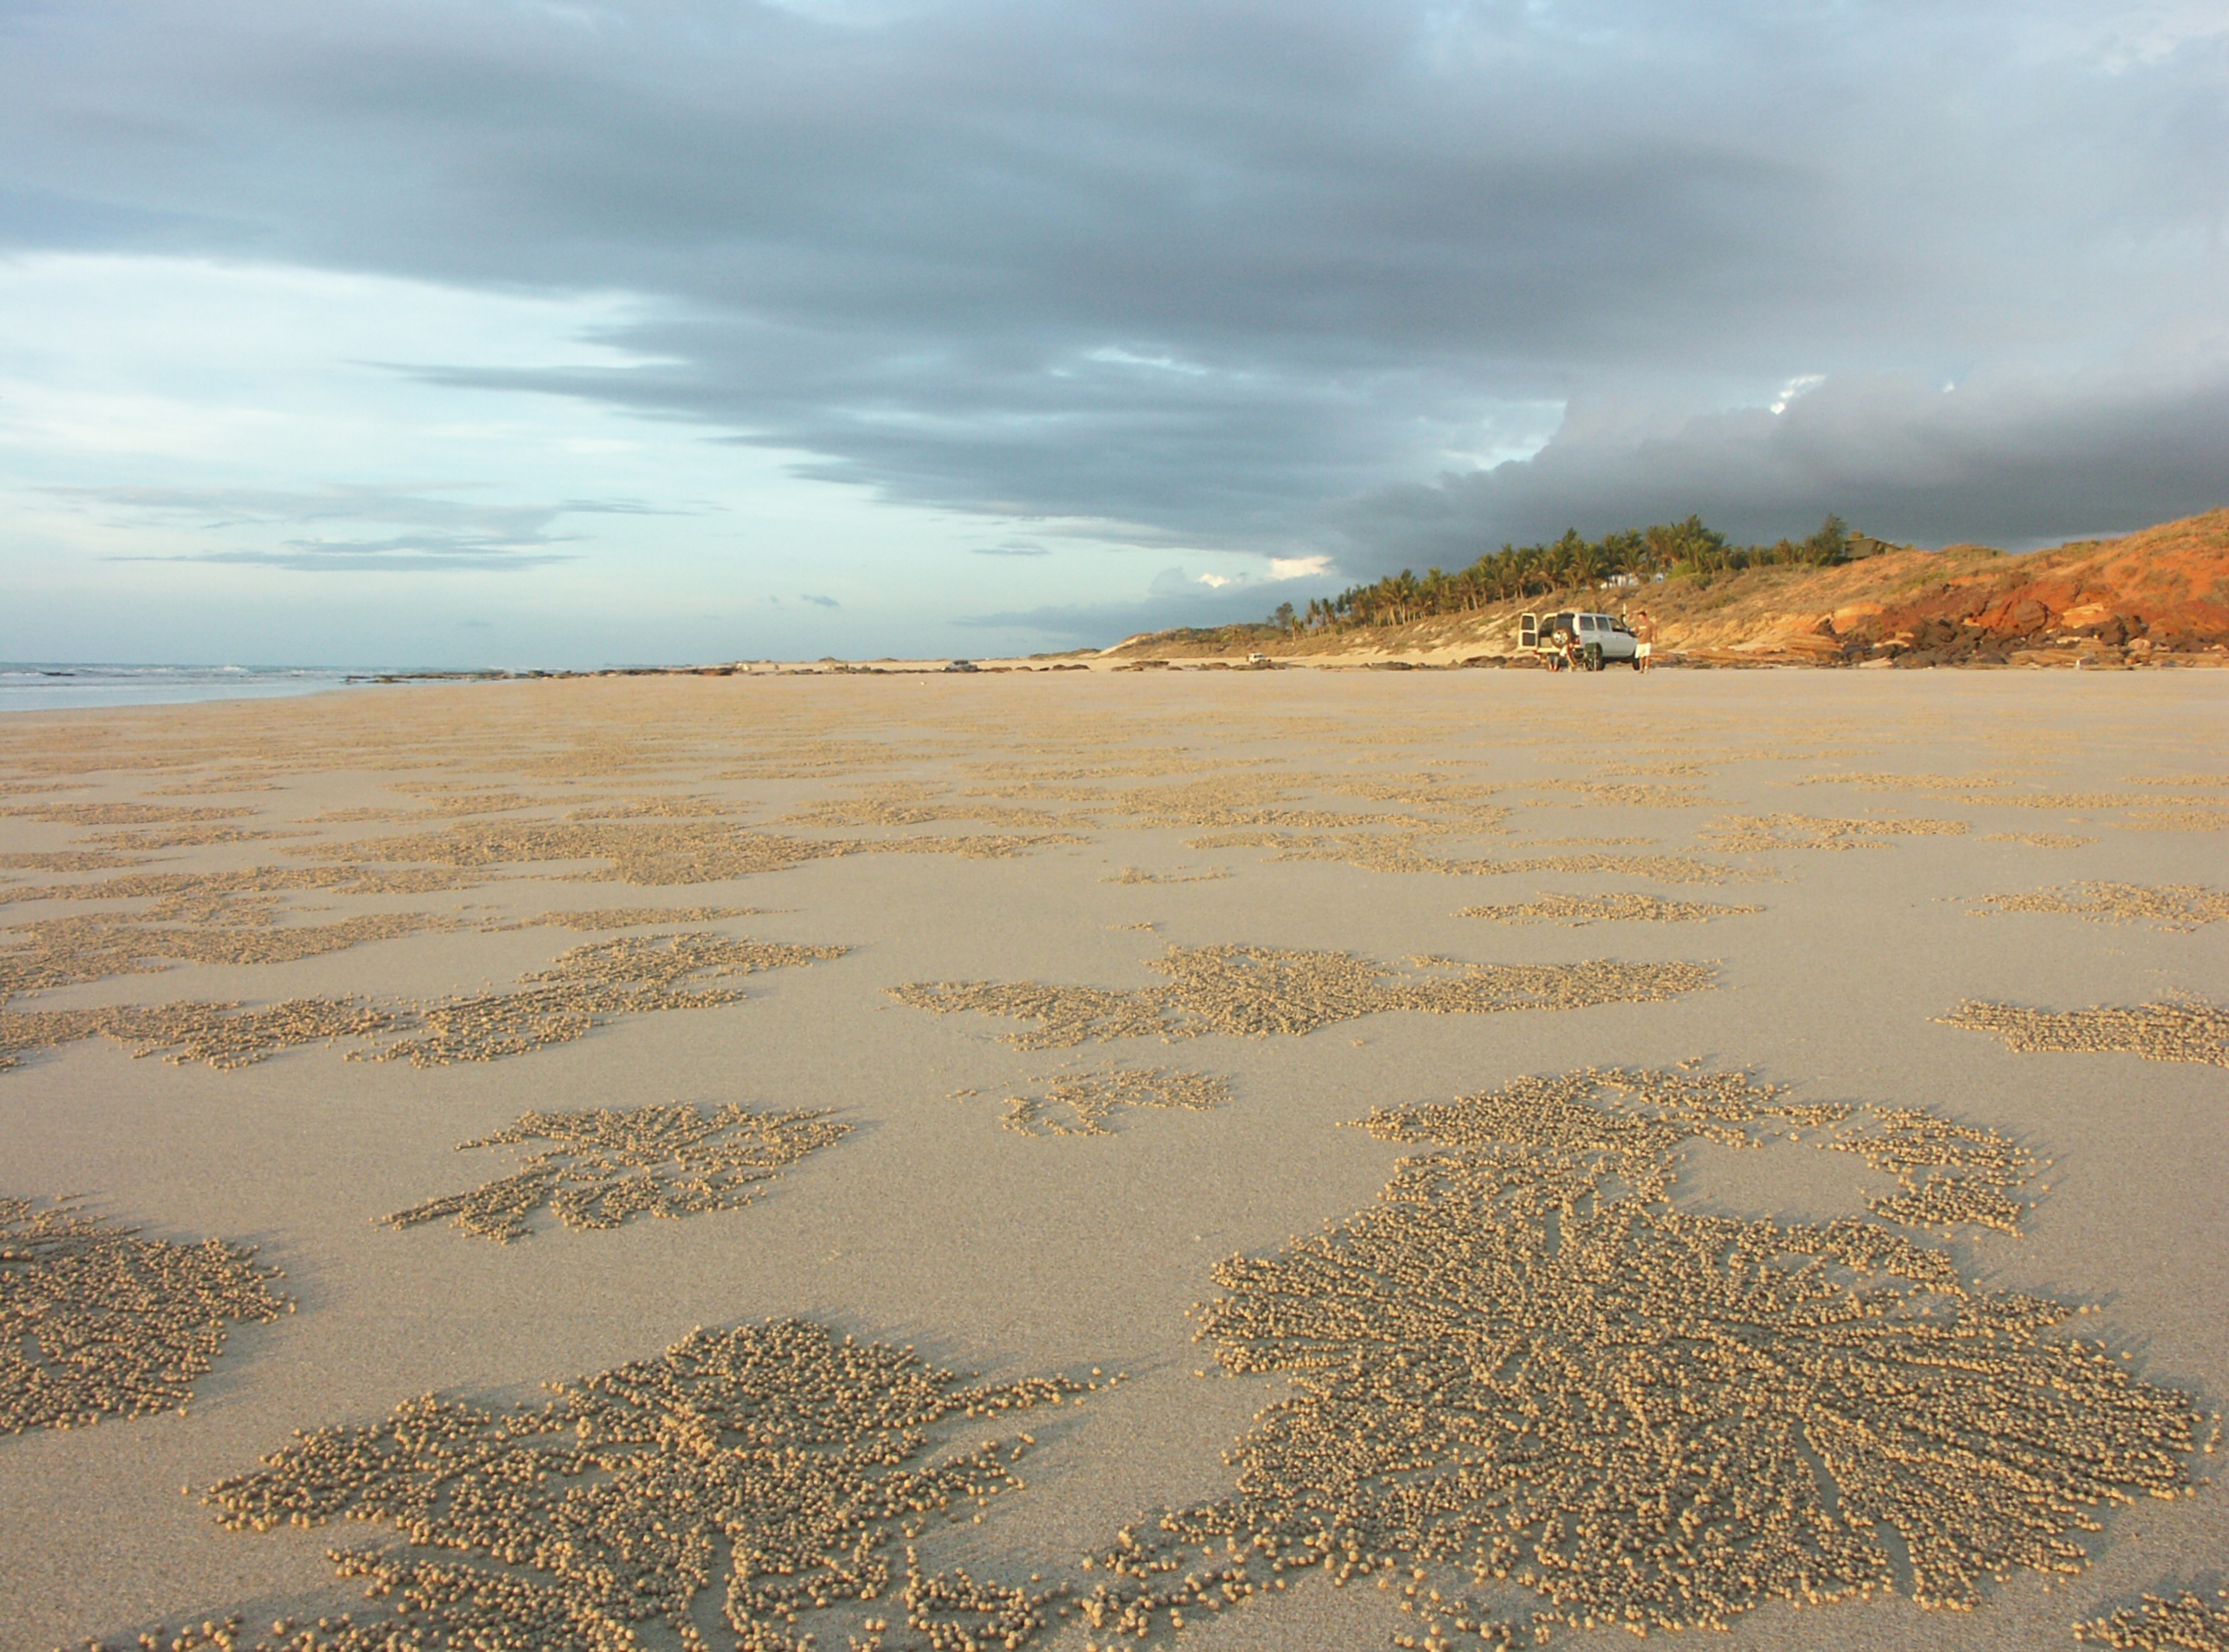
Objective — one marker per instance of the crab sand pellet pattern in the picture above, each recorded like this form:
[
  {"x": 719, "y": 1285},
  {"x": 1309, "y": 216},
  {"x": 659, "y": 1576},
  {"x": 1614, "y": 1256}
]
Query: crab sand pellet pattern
[
  {"x": 608, "y": 1164},
  {"x": 1526, "y": 1369},
  {"x": 1251, "y": 991},
  {"x": 96, "y": 1321}
]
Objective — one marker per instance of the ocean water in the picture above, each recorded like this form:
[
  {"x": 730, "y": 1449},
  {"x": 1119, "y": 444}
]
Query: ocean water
[{"x": 40, "y": 687}]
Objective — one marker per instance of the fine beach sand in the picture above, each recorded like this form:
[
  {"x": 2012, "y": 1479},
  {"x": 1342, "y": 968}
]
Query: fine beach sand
[{"x": 1034, "y": 1000}]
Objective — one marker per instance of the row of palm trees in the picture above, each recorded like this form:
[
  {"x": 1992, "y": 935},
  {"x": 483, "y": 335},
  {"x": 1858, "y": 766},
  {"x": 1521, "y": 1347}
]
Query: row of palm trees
[{"x": 1568, "y": 563}]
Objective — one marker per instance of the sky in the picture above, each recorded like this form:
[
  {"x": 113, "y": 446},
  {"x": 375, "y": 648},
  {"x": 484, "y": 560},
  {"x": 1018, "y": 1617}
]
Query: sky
[{"x": 530, "y": 333}]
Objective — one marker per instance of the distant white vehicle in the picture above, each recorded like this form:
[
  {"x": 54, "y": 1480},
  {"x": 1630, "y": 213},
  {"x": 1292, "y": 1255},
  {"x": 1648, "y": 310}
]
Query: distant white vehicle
[{"x": 1572, "y": 638}]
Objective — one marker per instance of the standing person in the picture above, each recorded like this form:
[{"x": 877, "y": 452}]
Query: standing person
[{"x": 1644, "y": 631}]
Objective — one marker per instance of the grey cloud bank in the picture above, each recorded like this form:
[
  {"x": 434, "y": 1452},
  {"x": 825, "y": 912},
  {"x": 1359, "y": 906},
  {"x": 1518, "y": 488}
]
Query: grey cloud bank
[
  {"x": 2018, "y": 465},
  {"x": 1390, "y": 281}
]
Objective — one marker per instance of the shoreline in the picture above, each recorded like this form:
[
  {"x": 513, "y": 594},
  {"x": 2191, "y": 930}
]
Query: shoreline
[{"x": 1133, "y": 655}]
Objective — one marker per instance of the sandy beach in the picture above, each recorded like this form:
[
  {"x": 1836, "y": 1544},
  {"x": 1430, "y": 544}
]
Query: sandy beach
[{"x": 1714, "y": 1148}]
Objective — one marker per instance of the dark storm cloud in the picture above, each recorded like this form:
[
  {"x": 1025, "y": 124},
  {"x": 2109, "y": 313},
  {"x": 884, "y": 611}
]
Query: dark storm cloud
[
  {"x": 1222, "y": 274},
  {"x": 2014, "y": 465}
]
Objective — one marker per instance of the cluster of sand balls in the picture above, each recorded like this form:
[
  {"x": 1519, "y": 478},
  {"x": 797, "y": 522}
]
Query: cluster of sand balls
[
  {"x": 67, "y": 861},
  {"x": 910, "y": 804},
  {"x": 1938, "y": 784},
  {"x": 1069, "y": 1016},
  {"x": 462, "y": 801},
  {"x": 610, "y": 1164},
  {"x": 686, "y": 852},
  {"x": 659, "y": 853},
  {"x": 586, "y": 986},
  {"x": 2189, "y": 1621},
  {"x": 2173, "y": 906},
  {"x": 955, "y": 1612},
  {"x": 1258, "y": 840},
  {"x": 610, "y": 917},
  {"x": 1226, "y": 801},
  {"x": 1590, "y": 841},
  {"x": 1406, "y": 852},
  {"x": 1081, "y": 1104},
  {"x": 1950, "y": 1173},
  {"x": 634, "y": 975},
  {"x": 1661, "y": 869},
  {"x": 629, "y": 975},
  {"x": 2190, "y": 1030},
  {"x": 225, "y": 897},
  {"x": 141, "y": 828},
  {"x": 975, "y": 846},
  {"x": 1526, "y": 1364},
  {"x": 1254, "y": 811},
  {"x": 2134, "y": 811},
  {"x": 96, "y": 1321},
  {"x": 1252, "y": 991},
  {"x": 141, "y": 839},
  {"x": 805, "y": 1455},
  {"x": 1625, "y": 794},
  {"x": 657, "y": 806},
  {"x": 435, "y": 1607},
  {"x": 2158, "y": 819},
  {"x": 117, "y": 814},
  {"x": 1606, "y": 909},
  {"x": 1133, "y": 875},
  {"x": 1395, "y": 851},
  {"x": 1423, "y": 787},
  {"x": 222, "y": 785},
  {"x": 223, "y": 1035},
  {"x": 69, "y": 951},
  {"x": 1758, "y": 833},
  {"x": 203, "y": 919}
]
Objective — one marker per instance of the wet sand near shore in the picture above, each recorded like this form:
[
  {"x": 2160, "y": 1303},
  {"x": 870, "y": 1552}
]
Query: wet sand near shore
[{"x": 1735, "y": 1150}]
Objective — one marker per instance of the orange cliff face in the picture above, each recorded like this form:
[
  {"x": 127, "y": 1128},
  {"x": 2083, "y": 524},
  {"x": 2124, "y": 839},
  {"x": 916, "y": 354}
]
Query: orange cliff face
[{"x": 2162, "y": 590}]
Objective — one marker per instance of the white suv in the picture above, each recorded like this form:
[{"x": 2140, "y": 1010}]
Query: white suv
[{"x": 1589, "y": 640}]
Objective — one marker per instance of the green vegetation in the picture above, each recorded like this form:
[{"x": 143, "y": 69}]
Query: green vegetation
[{"x": 1632, "y": 556}]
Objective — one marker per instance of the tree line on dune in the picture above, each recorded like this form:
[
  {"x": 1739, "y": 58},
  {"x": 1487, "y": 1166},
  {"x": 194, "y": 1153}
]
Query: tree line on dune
[{"x": 1632, "y": 556}]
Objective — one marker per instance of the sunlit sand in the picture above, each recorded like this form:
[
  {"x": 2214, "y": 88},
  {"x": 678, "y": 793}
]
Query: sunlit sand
[{"x": 1242, "y": 1160}]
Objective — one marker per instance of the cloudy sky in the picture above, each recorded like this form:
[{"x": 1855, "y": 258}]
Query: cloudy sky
[{"x": 528, "y": 332}]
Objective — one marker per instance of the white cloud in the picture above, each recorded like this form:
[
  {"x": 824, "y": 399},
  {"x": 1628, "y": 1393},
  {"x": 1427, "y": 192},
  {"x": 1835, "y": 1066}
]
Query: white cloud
[
  {"x": 1115, "y": 356},
  {"x": 1796, "y": 387}
]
